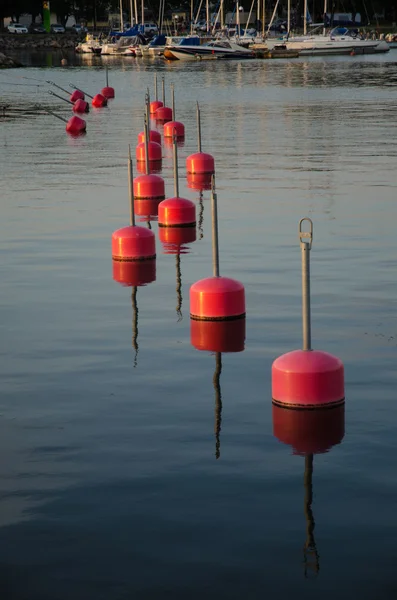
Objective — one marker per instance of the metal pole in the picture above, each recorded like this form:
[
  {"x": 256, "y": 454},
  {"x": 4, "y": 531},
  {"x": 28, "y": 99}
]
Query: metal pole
[
  {"x": 305, "y": 17},
  {"x": 121, "y": 16},
  {"x": 60, "y": 97},
  {"x": 136, "y": 12},
  {"x": 58, "y": 86},
  {"x": 198, "y": 127},
  {"x": 176, "y": 183},
  {"x": 215, "y": 246},
  {"x": 54, "y": 114},
  {"x": 147, "y": 147},
  {"x": 80, "y": 90},
  {"x": 163, "y": 86},
  {"x": 155, "y": 86},
  {"x": 289, "y": 16},
  {"x": 306, "y": 239},
  {"x": 173, "y": 101},
  {"x": 107, "y": 76},
  {"x": 147, "y": 102},
  {"x": 131, "y": 188}
]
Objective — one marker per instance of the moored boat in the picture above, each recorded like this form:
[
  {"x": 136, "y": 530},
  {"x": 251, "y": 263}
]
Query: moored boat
[{"x": 215, "y": 49}]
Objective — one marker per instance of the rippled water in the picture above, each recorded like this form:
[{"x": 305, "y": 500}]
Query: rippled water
[{"x": 110, "y": 486}]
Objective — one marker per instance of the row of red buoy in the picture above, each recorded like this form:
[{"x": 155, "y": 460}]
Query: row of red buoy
[{"x": 302, "y": 379}]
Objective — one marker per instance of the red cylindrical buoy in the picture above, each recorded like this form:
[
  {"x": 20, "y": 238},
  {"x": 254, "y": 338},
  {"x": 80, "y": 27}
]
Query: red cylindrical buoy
[
  {"x": 154, "y": 151},
  {"x": 149, "y": 187},
  {"x": 172, "y": 128},
  {"x": 77, "y": 95},
  {"x": 308, "y": 379},
  {"x": 199, "y": 181},
  {"x": 177, "y": 212},
  {"x": 173, "y": 238},
  {"x": 76, "y": 126},
  {"x": 154, "y": 136},
  {"x": 81, "y": 106},
  {"x": 163, "y": 114},
  {"x": 99, "y": 101},
  {"x": 217, "y": 299},
  {"x": 134, "y": 273},
  {"x": 218, "y": 336},
  {"x": 154, "y": 106},
  {"x": 309, "y": 431},
  {"x": 200, "y": 162},
  {"x": 108, "y": 92},
  {"x": 133, "y": 243}
]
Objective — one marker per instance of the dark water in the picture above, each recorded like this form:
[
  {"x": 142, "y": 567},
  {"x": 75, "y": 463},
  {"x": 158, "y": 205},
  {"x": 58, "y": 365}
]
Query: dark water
[{"x": 110, "y": 486}]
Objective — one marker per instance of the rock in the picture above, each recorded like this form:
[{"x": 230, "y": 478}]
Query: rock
[{"x": 6, "y": 62}]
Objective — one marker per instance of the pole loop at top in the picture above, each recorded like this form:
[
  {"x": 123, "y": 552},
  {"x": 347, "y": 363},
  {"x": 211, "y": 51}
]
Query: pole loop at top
[{"x": 306, "y": 237}]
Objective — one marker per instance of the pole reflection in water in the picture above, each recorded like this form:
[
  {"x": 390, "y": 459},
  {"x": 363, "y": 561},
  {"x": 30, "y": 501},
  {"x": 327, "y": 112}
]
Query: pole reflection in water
[
  {"x": 309, "y": 432},
  {"x": 135, "y": 324},
  {"x": 199, "y": 182},
  {"x": 178, "y": 287},
  {"x": 218, "y": 403}
]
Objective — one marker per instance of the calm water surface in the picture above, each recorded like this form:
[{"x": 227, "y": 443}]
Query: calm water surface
[{"x": 110, "y": 485}]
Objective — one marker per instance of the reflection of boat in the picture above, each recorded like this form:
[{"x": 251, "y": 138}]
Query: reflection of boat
[
  {"x": 339, "y": 41},
  {"x": 215, "y": 49}
]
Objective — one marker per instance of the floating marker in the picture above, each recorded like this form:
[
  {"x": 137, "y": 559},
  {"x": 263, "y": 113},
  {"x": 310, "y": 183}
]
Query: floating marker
[
  {"x": 98, "y": 101},
  {"x": 307, "y": 378},
  {"x": 174, "y": 127},
  {"x": 200, "y": 162},
  {"x": 156, "y": 103},
  {"x": 148, "y": 187},
  {"x": 216, "y": 298},
  {"x": 107, "y": 92},
  {"x": 133, "y": 243},
  {"x": 74, "y": 126},
  {"x": 80, "y": 106},
  {"x": 76, "y": 95},
  {"x": 176, "y": 211},
  {"x": 163, "y": 113}
]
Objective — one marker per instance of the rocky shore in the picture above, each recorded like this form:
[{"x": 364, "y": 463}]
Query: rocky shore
[
  {"x": 6, "y": 62},
  {"x": 33, "y": 42}
]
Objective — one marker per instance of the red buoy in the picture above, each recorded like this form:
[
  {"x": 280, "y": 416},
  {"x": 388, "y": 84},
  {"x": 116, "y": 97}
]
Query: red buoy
[
  {"x": 199, "y": 181},
  {"x": 174, "y": 212},
  {"x": 134, "y": 273},
  {"x": 149, "y": 187},
  {"x": 107, "y": 91},
  {"x": 154, "y": 136},
  {"x": 163, "y": 114},
  {"x": 217, "y": 299},
  {"x": 200, "y": 162},
  {"x": 154, "y": 106},
  {"x": 81, "y": 106},
  {"x": 218, "y": 336},
  {"x": 76, "y": 126},
  {"x": 77, "y": 95},
  {"x": 174, "y": 127},
  {"x": 99, "y": 101},
  {"x": 309, "y": 431},
  {"x": 133, "y": 243},
  {"x": 174, "y": 238},
  {"x": 154, "y": 152},
  {"x": 307, "y": 378}
]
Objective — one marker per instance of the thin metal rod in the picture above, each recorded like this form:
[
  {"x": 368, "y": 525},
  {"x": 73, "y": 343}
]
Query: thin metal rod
[
  {"x": 176, "y": 182},
  {"x": 198, "y": 128},
  {"x": 173, "y": 101},
  {"x": 54, "y": 114},
  {"x": 131, "y": 188},
  {"x": 107, "y": 76},
  {"x": 305, "y": 238},
  {"x": 147, "y": 102},
  {"x": 147, "y": 147},
  {"x": 155, "y": 86},
  {"x": 60, "y": 97},
  {"x": 215, "y": 245},
  {"x": 163, "y": 86},
  {"x": 80, "y": 90},
  {"x": 58, "y": 86}
]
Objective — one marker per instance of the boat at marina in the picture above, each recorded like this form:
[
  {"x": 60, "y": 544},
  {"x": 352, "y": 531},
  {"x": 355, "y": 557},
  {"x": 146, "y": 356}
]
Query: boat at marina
[
  {"x": 215, "y": 49},
  {"x": 90, "y": 45}
]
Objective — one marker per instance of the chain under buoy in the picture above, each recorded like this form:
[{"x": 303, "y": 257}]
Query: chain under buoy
[
  {"x": 307, "y": 378},
  {"x": 216, "y": 298},
  {"x": 200, "y": 162}
]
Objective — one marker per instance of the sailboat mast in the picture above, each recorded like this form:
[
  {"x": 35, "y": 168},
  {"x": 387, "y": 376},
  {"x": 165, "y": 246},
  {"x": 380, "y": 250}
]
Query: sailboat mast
[
  {"x": 263, "y": 18},
  {"x": 305, "y": 18},
  {"x": 288, "y": 16},
  {"x": 325, "y": 15},
  {"x": 207, "y": 11},
  {"x": 143, "y": 14},
  {"x": 136, "y": 12},
  {"x": 121, "y": 16},
  {"x": 131, "y": 15}
]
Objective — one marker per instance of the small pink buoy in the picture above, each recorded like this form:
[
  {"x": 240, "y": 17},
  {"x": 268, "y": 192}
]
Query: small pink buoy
[
  {"x": 149, "y": 187},
  {"x": 99, "y": 101},
  {"x": 217, "y": 299},
  {"x": 174, "y": 212},
  {"x": 154, "y": 152},
  {"x": 154, "y": 136},
  {"x": 307, "y": 378},
  {"x": 154, "y": 106},
  {"x": 309, "y": 431},
  {"x": 199, "y": 181},
  {"x": 174, "y": 127},
  {"x": 200, "y": 162},
  {"x": 76, "y": 126},
  {"x": 77, "y": 95},
  {"x": 218, "y": 336},
  {"x": 134, "y": 273},
  {"x": 81, "y": 106},
  {"x": 133, "y": 243},
  {"x": 173, "y": 238},
  {"x": 163, "y": 114},
  {"x": 108, "y": 92}
]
